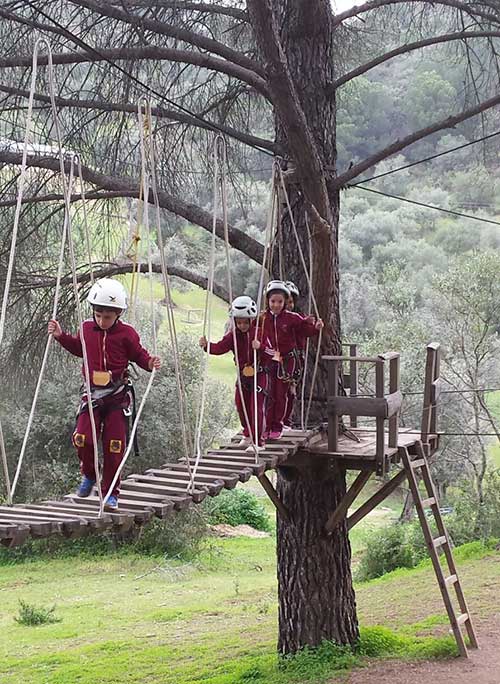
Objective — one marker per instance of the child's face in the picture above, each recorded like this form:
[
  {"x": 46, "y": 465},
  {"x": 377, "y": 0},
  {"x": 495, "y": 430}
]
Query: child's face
[
  {"x": 243, "y": 324},
  {"x": 290, "y": 305},
  {"x": 276, "y": 303},
  {"x": 105, "y": 319}
]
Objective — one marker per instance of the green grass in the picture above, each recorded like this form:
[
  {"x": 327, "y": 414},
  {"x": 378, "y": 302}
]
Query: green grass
[{"x": 126, "y": 618}]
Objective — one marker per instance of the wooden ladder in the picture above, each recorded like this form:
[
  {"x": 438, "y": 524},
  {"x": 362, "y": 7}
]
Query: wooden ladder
[{"x": 440, "y": 542}]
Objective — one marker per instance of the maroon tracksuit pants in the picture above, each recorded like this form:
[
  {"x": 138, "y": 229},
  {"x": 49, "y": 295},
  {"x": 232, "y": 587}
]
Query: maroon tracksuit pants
[
  {"x": 248, "y": 398},
  {"x": 111, "y": 425},
  {"x": 280, "y": 401}
]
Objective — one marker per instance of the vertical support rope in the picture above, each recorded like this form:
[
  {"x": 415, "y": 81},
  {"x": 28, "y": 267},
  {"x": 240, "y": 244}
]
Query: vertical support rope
[
  {"x": 179, "y": 377},
  {"x": 309, "y": 282},
  {"x": 207, "y": 318},
  {"x": 13, "y": 244},
  {"x": 88, "y": 388},
  {"x": 85, "y": 222}
]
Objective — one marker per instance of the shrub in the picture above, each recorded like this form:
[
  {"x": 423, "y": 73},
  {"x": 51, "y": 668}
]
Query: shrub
[
  {"x": 180, "y": 535},
  {"x": 33, "y": 616},
  {"x": 387, "y": 549},
  {"x": 471, "y": 521},
  {"x": 238, "y": 507}
]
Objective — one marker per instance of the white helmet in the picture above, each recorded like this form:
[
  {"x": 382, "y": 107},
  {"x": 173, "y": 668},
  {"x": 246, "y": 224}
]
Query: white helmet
[
  {"x": 293, "y": 289},
  {"x": 277, "y": 286},
  {"x": 243, "y": 307},
  {"x": 108, "y": 293}
]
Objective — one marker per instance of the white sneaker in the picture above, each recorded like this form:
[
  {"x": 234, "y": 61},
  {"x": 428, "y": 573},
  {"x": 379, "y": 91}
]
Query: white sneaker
[
  {"x": 244, "y": 442},
  {"x": 251, "y": 449}
]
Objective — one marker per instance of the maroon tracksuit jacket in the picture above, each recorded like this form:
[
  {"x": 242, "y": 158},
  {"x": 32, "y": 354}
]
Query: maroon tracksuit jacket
[
  {"x": 107, "y": 350},
  {"x": 282, "y": 333},
  {"x": 246, "y": 358},
  {"x": 292, "y": 387}
]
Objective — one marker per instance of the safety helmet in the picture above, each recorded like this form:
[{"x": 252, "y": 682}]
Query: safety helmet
[
  {"x": 243, "y": 307},
  {"x": 293, "y": 289},
  {"x": 108, "y": 293},
  {"x": 277, "y": 286}
]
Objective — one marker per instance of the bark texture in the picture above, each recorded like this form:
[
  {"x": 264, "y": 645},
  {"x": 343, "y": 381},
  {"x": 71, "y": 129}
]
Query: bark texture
[
  {"x": 295, "y": 37},
  {"x": 316, "y": 599}
]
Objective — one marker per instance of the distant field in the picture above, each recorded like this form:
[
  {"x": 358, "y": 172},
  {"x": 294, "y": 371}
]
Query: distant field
[{"x": 193, "y": 300}]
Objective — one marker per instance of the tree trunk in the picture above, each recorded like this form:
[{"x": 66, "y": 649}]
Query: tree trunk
[{"x": 316, "y": 596}]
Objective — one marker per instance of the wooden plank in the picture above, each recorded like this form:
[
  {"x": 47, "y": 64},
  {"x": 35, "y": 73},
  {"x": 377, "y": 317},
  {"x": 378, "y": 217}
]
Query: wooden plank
[
  {"x": 270, "y": 461},
  {"x": 71, "y": 526},
  {"x": 38, "y": 528},
  {"x": 92, "y": 518},
  {"x": 230, "y": 479},
  {"x": 125, "y": 505},
  {"x": 340, "y": 512},
  {"x": 138, "y": 514},
  {"x": 213, "y": 488},
  {"x": 161, "y": 488},
  {"x": 13, "y": 535},
  {"x": 232, "y": 466}
]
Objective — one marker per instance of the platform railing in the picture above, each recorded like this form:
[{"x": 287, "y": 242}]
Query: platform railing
[{"x": 383, "y": 407}]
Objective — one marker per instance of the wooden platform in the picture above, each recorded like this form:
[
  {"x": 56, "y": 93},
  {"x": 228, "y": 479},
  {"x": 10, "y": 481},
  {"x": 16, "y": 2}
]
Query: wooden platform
[
  {"x": 357, "y": 447},
  {"x": 157, "y": 492}
]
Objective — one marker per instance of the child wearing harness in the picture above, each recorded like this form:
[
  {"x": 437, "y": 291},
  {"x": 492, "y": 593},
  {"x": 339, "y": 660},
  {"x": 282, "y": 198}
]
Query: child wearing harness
[
  {"x": 111, "y": 345},
  {"x": 280, "y": 330},
  {"x": 243, "y": 313},
  {"x": 291, "y": 305}
]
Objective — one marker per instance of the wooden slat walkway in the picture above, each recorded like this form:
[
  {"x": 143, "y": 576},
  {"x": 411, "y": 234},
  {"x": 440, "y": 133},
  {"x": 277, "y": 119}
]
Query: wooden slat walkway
[{"x": 157, "y": 492}]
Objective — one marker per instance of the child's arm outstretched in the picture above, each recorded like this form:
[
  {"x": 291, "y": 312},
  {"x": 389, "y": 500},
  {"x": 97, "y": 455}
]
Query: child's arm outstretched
[
  {"x": 139, "y": 355},
  {"x": 220, "y": 347},
  {"x": 71, "y": 343}
]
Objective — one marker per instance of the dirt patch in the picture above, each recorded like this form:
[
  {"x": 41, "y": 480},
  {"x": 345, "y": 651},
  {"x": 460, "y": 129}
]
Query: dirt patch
[
  {"x": 482, "y": 667},
  {"x": 237, "y": 531}
]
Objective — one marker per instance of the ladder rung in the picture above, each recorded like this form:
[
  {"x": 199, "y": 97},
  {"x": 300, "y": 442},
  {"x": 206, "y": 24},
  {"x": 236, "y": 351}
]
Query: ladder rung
[
  {"x": 439, "y": 541},
  {"x": 427, "y": 503},
  {"x": 461, "y": 619},
  {"x": 418, "y": 463},
  {"x": 451, "y": 580}
]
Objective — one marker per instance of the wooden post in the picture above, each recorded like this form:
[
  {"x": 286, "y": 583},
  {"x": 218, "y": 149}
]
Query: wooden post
[
  {"x": 273, "y": 495},
  {"x": 393, "y": 387},
  {"x": 333, "y": 391},
  {"x": 437, "y": 371},
  {"x": 353, "y": 379},
  {"x": 380, "y": 421},
  {"x": 340, "y": 512}
]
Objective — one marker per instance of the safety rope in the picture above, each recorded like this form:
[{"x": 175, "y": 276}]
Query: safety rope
[
  {"x": 179, "y": 376},
  {"x": 143, "y": 131},
  {"x": 13, "y": 244},
  {"x": 86, "y": 229},
  {"x": 306, "y": 354},
  {"x": 309, "y": 283},
  {"x": 86, "y": 366},
  {"x": 207, "y": 317}
]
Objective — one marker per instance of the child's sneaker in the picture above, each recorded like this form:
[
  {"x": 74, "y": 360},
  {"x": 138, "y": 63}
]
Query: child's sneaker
[
  {"x": 286, "y": 428},
  {"x": 85, "y": 487},
  {"x": 251, "y": 449},
  {"x": 244, "y": 442},
  {"x": 111, "y": 504},
  {"x": 275, "y": 434}
]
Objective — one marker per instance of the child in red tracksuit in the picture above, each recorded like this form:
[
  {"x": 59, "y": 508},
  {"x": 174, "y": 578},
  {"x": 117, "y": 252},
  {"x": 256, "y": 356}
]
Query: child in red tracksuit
[
  {"x": 243, "y": 312},
  {"x": 110, "y": 346},
  {"x": 279, "y": 331},
  {"x": 300, "y": 353}
]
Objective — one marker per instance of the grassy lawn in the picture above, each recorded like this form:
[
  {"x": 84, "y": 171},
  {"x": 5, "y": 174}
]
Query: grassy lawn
[{"x": 131, "y": 619}]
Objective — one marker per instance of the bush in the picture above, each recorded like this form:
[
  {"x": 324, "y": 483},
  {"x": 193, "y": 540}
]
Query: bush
[
  {"x": 178, "y": 536},
  {"x": 387, "y": 549},
  {"x": 238, "y": 507},
  {"x": 471, "y": 521},
  {"x": 32, "y": 616}
]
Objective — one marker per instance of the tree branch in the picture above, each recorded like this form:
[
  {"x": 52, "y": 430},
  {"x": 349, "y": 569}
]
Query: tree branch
[
  {"x": 286, "y": 101},
  {"x": 375, "y": 4},
  {"x": 204, "y": 7},
  {"x": 159, "y": 112},
  {"x": 33, "y": 282},
  {"x": 148, "y": 52},
  {"x": 165, "y": 29},
  {"x": 399, "y": 145},
  {"x": 403, "y": 49},
  {"x": 129, "y": 187}
]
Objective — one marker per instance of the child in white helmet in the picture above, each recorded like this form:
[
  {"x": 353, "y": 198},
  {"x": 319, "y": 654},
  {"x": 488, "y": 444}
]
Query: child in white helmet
[
  {"x": 279, "y": 331},
  {"x": 111, "y": 345},
  {"x": 243, "y": 313},
  {"x": 299, "y": 353}
]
